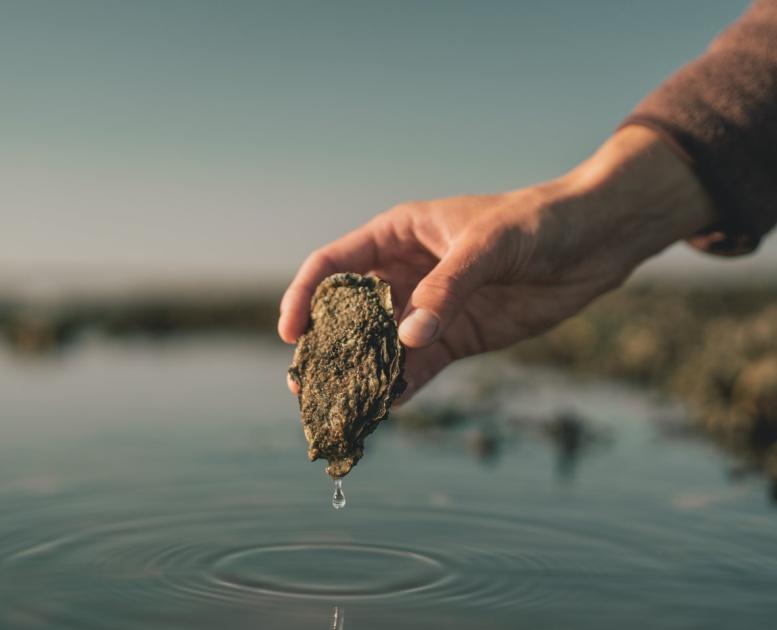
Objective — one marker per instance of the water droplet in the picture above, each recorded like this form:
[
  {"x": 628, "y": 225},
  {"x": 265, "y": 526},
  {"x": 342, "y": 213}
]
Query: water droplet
[
  {"x": 338, "y": 499},
  {"x": 338, "y": 618}
]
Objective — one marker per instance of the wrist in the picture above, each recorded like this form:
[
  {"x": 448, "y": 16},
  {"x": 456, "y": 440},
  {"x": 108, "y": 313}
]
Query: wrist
[{"x": 641, "y": 189}]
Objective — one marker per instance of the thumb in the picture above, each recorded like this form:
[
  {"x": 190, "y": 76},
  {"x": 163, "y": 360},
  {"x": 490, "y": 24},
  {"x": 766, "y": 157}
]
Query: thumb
[{"x": 439, "y": 297}]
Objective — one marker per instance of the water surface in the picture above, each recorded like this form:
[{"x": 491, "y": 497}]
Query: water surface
[{"x": 166, "y": 486}]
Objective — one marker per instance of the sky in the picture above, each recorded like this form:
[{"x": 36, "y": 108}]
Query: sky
[{"x": 233, "y": 137}]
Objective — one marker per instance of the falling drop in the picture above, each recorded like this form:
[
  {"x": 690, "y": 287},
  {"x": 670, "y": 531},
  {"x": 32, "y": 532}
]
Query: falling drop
[{"x": 338, "y": 499}]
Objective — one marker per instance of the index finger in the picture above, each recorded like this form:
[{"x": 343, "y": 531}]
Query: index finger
[{"x": 356, "y": 251}]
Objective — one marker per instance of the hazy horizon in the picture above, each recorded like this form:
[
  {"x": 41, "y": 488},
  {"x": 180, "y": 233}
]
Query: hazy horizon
[{"x": 189, "y": 137}]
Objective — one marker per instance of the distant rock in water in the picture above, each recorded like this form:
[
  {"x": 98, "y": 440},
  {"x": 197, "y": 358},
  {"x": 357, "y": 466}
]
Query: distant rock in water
[{"x": 349, "y": 367}]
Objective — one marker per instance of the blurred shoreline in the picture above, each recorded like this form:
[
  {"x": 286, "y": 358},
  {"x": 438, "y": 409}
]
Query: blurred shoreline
[{"x": 710, "y": 345}]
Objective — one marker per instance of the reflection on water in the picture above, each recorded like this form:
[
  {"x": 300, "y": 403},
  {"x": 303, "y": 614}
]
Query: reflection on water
[
  {"x": 338, "y": 618},
  {"x": 146, "y": 486},
  {"x": 572, "y": 436}
]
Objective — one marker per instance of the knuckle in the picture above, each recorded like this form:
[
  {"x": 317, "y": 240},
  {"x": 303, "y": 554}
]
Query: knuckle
[
  {"x": 321, "y": 258},
  {"x": 408, "y": 208},
  {"x": 381, "y": 219}
]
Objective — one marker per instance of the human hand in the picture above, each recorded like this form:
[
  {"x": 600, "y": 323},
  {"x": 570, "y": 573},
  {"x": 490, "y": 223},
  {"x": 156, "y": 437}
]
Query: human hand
[{"x": 478, "y": 273}]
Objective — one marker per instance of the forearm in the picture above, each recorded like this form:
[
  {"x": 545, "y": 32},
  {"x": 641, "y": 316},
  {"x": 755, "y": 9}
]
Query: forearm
[{"x": 720, "y": 114}]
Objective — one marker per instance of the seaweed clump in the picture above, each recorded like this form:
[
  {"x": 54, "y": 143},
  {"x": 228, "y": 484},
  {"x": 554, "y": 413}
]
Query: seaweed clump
[{"x": 348, "y": 366}]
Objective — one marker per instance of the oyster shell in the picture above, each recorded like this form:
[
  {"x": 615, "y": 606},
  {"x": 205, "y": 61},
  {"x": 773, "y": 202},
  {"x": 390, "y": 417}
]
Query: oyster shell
[{"x": 348, "y": 366}]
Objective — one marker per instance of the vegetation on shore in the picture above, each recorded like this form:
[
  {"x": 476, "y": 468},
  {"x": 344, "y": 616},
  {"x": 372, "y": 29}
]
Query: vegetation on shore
[{"x": 713, "y": 348}]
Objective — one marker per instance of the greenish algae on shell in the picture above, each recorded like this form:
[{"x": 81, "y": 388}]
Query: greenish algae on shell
[{"x": 348, "y": 366}]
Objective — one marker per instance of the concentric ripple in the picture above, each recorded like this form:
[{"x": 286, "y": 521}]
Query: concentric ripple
[
  {"x": 253, "y": 557},
  {"x": 329, "y": 570}
]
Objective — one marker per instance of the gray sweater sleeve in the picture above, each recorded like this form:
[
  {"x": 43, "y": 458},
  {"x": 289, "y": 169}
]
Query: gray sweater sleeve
[{"x": 720, "y": 114}]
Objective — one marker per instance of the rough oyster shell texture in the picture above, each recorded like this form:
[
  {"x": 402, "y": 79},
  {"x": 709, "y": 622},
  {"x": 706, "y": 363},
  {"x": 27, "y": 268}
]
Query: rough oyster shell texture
[{"x": 348, "y": 366}]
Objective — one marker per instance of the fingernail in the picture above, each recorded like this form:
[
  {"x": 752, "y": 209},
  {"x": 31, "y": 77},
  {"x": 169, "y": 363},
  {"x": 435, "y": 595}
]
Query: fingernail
[{"x": 419, "y": 327}]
